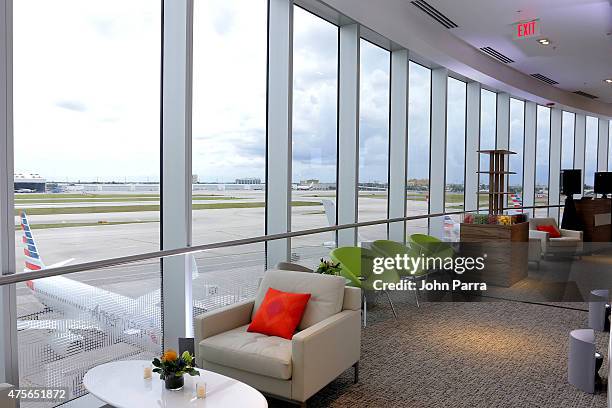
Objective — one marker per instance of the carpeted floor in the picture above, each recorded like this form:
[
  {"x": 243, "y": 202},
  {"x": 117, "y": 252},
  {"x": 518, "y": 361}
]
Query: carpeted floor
[{"x": 472, "y": 355}]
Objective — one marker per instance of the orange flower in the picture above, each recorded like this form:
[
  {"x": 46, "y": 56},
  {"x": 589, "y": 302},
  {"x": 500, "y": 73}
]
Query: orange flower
[{"x": 170, "y": 355}]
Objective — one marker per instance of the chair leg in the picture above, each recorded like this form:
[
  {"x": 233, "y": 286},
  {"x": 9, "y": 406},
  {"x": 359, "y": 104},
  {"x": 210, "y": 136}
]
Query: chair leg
[
  {"x": 391, "y": 303},
  {"x": 356, "y": 367},
  {"x": 365, "y": 309},
  {"x": 416, "y": 295}
]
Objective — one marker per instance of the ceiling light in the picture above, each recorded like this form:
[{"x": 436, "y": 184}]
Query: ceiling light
[
  {"x": 544, "y": 41},
  {"x": 609, "y": 80}
]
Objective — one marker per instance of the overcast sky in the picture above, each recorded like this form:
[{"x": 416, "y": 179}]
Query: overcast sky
[{"x": 86, "y": 95}]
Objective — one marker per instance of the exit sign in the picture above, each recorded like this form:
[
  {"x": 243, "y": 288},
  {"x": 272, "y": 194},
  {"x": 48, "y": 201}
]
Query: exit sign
[{"x": 527, "y": 29}]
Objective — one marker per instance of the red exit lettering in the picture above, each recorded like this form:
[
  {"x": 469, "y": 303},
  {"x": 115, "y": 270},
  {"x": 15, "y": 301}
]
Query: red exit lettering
[{"x": 527, "y": 29}]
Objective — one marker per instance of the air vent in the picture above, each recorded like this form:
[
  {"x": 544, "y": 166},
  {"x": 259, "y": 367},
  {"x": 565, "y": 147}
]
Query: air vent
[
  {"x": 586, "y": 95},
  {"x": 435, "y": 14},
  {"x": 544, "y": 79},
  {"x": 496, "y": 54}
]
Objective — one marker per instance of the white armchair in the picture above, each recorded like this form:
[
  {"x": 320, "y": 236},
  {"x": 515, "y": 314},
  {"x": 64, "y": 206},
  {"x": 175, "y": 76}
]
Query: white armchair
[
  {"x": 5, "y": 400},
  {"x": 327, "y": 343},
  {"x": 570, "y": 242}
]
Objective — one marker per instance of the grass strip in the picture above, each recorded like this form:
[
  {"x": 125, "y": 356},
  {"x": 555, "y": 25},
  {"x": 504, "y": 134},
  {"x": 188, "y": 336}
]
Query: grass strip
[
  {"x": 81, "y": 224},
  {"x": 115, "y": 199},
  {"x": 154, "y": 207}
]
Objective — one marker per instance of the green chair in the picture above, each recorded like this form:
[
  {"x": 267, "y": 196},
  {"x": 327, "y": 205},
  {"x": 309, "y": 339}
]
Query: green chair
[
  {"x": 419, "y": 245},
  {"x": 357, "y": 267},
  {"x": 430, "y": 246},
  {"x": 391, "y": 249}
]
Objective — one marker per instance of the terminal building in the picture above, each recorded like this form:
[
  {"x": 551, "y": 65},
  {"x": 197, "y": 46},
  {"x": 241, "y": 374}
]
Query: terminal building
[{"x": 29, "y": 183}]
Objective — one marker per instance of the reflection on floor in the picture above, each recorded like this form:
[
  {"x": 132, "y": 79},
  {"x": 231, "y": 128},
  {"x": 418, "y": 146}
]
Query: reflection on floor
[
  {"x": 488, "y": 354},
  {"x": 565, "y": 281}
]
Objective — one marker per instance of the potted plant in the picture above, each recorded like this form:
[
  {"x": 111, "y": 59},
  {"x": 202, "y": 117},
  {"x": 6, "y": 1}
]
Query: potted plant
[
  {"x": 171, "y": 368},
  {"x": 329, "y": 268}
]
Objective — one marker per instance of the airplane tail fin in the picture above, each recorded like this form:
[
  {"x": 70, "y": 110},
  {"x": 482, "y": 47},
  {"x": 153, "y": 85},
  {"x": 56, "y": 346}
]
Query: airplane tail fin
[
  {"x": 330, "y": 211},
  {"x": 516, "y": 200},
  {"x": 33, "y": 261}
]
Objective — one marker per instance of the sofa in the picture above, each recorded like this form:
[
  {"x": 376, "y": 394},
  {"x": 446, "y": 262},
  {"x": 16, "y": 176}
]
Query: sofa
[
  {"x": 327, "y": 341},
  {"x": 569, "y": 244}
]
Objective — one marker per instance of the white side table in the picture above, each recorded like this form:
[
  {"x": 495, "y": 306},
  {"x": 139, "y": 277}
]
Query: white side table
[{"x": 121, "y": 385}]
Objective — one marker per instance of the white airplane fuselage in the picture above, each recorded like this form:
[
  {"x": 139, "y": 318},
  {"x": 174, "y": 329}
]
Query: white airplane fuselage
[{"x": 136, "y": 321}]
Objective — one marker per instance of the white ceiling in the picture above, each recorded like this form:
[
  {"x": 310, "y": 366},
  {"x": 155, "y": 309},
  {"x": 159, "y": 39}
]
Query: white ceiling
[{"x": 580, "y": 31}]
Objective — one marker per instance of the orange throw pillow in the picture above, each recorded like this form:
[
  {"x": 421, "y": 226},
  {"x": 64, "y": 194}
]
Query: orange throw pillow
[
  {"x": 279, "y": 313},
  {"x": 552, "y": 231}
]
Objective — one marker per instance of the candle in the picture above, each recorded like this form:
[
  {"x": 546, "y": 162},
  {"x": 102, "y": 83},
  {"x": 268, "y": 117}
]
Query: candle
[
  {"x": 201, "y": 390},
  {"x": 147, "y": 373}
]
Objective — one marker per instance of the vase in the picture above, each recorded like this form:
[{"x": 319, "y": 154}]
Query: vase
[{"x": 174, "y": 383}]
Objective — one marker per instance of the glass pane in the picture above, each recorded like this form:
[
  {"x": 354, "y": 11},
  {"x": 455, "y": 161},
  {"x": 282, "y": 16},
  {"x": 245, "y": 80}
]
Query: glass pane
[
  {"x": 542, "y": 159},
  {"x": 455, "y": 155},
  {"x": 488, "y": 117},
  {"x": 86, "y": 116},
  {"x": 567, "y": 140},
  {"x": 567, "y": 147},
  {"x": 69, "y": 324},
  {"x": 373, "y": 139},
  {"x": 315, "y": 73},
  {"x": 229, "y": 119},
  {"x": 610, "y": 146},
  {"x": 590, "y": 154},
  {"x": 517, "y": 138},
  {"x": 419, "y": 115}
]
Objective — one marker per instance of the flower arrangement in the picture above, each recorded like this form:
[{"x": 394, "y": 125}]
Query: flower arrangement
[
  {"x": 494, "y": 219},
  {"x": 329, "y": 268},
  {"x": 171, "y": 368}
]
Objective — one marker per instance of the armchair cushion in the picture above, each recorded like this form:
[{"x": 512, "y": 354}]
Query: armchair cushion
[
  {"x": 327, "y": 293},
  {"x": 279, "y": 313},
  {"x": 563, "y": 242},
  {"x": 551, "y": 229},
  {"x": 252, "y": 352}
]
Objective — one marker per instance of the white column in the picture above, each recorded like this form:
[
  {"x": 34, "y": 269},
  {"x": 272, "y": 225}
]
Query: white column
[
  {"x": 398, "y": 143},
  {"x": 530, "y": 155},
  {"x": 348, "y": 132},
  {"x": 8, "y": 313},
  {"x": 437, "y": 152},
  {"x": 555, "y": 161},
  {"x": 579, "y": 144},
  {"x": 472, "y": 143},
  {"x": 502, "y": 132},
  {"x": 176, "y": 167},
  {"x": 604, "y": 144},
  {"x": 278, "y": 141}
]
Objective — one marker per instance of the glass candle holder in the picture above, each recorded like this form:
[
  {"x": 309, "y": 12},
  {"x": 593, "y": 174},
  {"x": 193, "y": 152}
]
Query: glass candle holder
[
  {"x": 201, "y": 389},
  {"x": 147, "y": 372}
]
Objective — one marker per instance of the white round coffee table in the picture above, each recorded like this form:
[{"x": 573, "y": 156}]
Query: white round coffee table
[{"x": 121, "y": 384}]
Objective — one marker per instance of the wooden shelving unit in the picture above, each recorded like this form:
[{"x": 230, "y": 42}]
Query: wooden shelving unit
[
  {"x": 505, "y": 245},
  {"x": 497, "y": 179}
]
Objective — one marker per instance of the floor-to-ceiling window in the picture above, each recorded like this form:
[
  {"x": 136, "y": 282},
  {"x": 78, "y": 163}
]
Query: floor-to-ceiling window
[
  {"x": 375, "y": 66},
  {"x": 590, "y": 154},
  {"x": 542, "y": 159},
  {"x": 419, "y": 135},
  {"x": 228, "y": 145},
  {"x": 314, "y": 140},
  {"x": 567, "y": 140},
  {"x": 488, "y": 117},
  {"x": 567, "y": 148},
  {"x": 516, "y": 145},
  {"x": 86, "y": 92},
  {"x": 454, "y": 197}
]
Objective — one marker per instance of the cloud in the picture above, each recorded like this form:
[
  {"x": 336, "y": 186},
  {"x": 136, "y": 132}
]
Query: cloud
[{"x": 76, "y": 106}]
